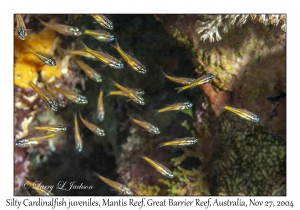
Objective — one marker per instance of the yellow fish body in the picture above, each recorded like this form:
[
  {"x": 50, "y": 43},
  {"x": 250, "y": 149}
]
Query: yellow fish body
[
  {"x": 104, "y": 57},
  {"x": 51, "y": 128},
  {"x": 132, "y": 62},
  {"x": 47, "y": 98},
  {"x": 73, "y": 96},
  {"x": 149, "y": 127},
  {"x": 201, "y": 80},
  {"x": 130, "y": 93},
  {"x": 100, "y": 107},
  {"x": 33, "y": 141},
  {"x": 78, "y": 138},
  {"x": 117, "y": 186},
  {"x": 176, "y": 107},
  {"x": 21, "y": 28},
  {"x": 89, "y": 71},
  {"x": 103, "y": 21},
  {"x": 100, "y": 35},
  {"x": 96, "y": 130},
  {"x": 180, "y": 142},
  {"x": 159, "y": 167},
  {"x": 62, "y": 29},
  {"x": 46, "y": 59},
  {"x": 180, "y": 80},
  {"x": 243, "y": 113}
]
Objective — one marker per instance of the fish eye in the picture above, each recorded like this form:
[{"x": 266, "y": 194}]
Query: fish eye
[{"x": 190, "y": 105}]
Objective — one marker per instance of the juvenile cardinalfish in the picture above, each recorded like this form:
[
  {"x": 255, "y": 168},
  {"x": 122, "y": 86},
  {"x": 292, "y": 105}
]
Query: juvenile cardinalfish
[
  {"x": 21, "y": 28},
  {"x": 100, "y": 35},
  {"x": 130, "y": 93},
  {"x": 201, "y": 80},
  {"x": 46, "y": 59},
  {"x": 47, "y": 98},
  {"x": 132, "y": 62},
  {"x": 180, "y": 142},
  {"x": 180, "y": 80},
  {"x": 103, "y": 21},
  {"x": 159, "y": 167},
  {"x": 37, "y": 188},
  {"x": 96, "y": 130},
  {"x": 32, "y": 141},
  {"x": 104, "y": 57},
  {"x": 61, "y": 28},
  {"x": 117, "y": 186},
  {"x": 100, "y": 107},
  {"x": 89, "y": 71},
  {"x": 176, "y": 107},
  {"x": 121, "y": 93},
  {"x": 73, "y": 96},
  {"x": 243, "y": 113},
  {"x": 51, "y": 128},
  {"x": 149, "y": 127},
  {"x": 54, "y": 95},
  {"x": 78, "y": 138}
]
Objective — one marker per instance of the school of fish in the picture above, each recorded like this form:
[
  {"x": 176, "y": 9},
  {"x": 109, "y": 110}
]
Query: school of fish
[{"x": 50, "y": 94}]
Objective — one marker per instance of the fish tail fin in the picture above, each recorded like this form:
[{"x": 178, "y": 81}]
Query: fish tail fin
[
  {"x": 113, "y": 82},
  {"x": 155, "y": 112},
  {"x": 162, "y": 144},
  {"x": 75, "y": 115},
  {"x": 163, "y": 73},
  {"x": 142, "y": 156},
  {"x": 82, "y": 45},
  {"x": 96, "y": 174},
  {"x": 179, "y": 89}
]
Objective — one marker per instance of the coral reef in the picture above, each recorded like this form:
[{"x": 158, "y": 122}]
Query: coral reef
[
  {"x": 249, "y": 65},
  {"x": 232, "y": 156}
]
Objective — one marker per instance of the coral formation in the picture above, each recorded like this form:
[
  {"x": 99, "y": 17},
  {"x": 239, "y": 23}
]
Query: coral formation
[
  {"x": 247, "y": 58},
  {"x": 232, "y": 156}
]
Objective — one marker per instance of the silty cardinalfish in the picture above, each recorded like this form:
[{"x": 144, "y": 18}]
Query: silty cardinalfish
[
  {"x": 21, "y": 28},
  {"x": 100, "y": 107},
  {"x": 180, "y": 142},
  {"x": 117, "y": 186},
  {"x": 89, "y": 71},
  {"x": 51, "y": 128},
  {"x": 180, "y": 80},
  {"x": 175, "y": 107},
  {"x": 77, "y": 135},
  {"x": 103, "y": 21},
  {"x": 132, "y": 62},
  {"x": 62, "y": 29},
  {"x": 104, "y": 57},
  {"x": 159, "y": 167},
  {"x": 100, "y": 35},
  {"x": 96, "y": 130},
  {"x": 47, "y": 98},
  {"x": 130, "y": 93},
  {"x": 149, "y": 127},
  {"x": 73, "y": 96},
  {"x": 33, "y": 141},
  {"x": 243, "y": 113},
  {"x": 201, "y": 80}
]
